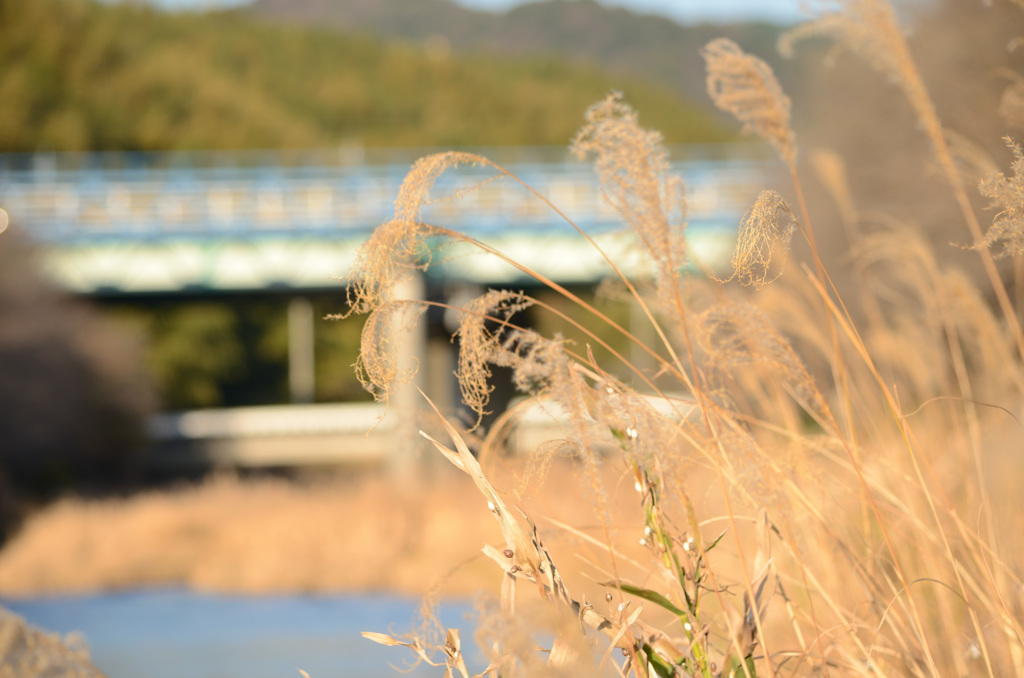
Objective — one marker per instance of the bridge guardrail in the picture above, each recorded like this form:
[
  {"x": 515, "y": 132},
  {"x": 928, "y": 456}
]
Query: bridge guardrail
[{"x": 64, "y": 202}]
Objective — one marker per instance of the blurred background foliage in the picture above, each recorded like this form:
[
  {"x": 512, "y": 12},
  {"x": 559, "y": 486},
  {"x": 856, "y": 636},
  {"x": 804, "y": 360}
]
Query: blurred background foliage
[
  {"x": 79, "y": 75},
  {"x": 619, "y": 42},
  {"x": 244, "y": 349},
  {"x": 72, "y": 395}
]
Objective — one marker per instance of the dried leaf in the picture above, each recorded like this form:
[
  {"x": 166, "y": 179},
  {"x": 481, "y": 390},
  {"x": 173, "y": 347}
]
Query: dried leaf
[{"x": 384, "y": 639}]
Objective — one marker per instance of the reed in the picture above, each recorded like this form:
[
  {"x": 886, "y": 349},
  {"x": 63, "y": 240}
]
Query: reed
[{"x": 823, "y": 489}]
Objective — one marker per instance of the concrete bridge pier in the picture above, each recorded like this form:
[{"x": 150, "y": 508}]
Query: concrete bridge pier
[
  {"x": 301, "y": 366},
  {"x": 406, "y": 403}
]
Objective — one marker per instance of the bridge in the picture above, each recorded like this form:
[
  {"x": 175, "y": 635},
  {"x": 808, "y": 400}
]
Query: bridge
[
  {"x": 126, "y": 225},
  {"x": 120, "y": 223}
]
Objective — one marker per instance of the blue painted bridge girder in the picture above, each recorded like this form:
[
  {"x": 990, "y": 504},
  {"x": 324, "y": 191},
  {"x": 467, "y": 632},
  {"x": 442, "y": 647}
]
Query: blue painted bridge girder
[{"x": 128, "y": 224}]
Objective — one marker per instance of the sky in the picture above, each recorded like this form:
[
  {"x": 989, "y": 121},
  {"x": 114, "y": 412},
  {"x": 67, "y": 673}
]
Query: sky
[{"x": 684, "y": 11}]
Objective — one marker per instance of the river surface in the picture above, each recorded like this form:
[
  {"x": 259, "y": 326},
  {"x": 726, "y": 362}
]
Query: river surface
[{"x": 178, "y": 633}]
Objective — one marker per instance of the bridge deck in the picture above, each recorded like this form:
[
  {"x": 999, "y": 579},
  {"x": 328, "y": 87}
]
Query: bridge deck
[
  {"x": 272, "y": 436},
  {"x": 333, "y": 434}
]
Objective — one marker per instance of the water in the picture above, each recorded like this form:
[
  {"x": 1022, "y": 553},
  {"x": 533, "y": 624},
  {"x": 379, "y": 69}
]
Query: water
[{"x": 176, "y": 633}]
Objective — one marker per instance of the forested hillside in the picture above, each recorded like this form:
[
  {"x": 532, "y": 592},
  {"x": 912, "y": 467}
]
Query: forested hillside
[
  {"x": 76, "y": 75},
  {"x": 613, "y": 39}
]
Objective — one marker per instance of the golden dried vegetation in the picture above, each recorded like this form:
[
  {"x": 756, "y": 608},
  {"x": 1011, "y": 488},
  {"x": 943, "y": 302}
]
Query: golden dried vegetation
[{"x": 821, "y": 481}]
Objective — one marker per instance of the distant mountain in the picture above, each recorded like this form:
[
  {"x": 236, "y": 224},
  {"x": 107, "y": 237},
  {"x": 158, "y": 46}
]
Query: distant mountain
[
  {"x": 390, "y": 18},
  {"x": 612, "y": 39}
]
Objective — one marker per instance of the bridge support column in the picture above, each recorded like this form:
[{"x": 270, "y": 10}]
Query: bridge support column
[
  {"x": 301, "y": 368},
  {"x": 406, "y": 402},
  {"x": 640, "y": 327}
]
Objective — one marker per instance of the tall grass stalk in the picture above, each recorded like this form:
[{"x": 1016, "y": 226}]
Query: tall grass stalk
[{"x": 812, "y": 494}]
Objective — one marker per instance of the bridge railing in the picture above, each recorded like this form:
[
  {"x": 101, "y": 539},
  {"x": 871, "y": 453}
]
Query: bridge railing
[{"x": 68, "y": 198}]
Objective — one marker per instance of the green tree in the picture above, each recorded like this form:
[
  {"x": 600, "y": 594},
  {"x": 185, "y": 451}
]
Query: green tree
[{"x": 80, "y": 75}]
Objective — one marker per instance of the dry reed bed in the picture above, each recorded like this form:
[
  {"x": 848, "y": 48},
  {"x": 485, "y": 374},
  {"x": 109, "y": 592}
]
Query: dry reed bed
[
  {"x": 838, "y": 493},
  {"x": 28, "y": 651},
  {"x": 273, "y": 535}
]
